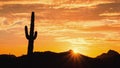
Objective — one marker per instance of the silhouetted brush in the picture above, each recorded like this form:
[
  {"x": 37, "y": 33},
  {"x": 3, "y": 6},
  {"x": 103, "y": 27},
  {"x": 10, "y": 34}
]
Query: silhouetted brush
[{"x": 31, "y": 36}]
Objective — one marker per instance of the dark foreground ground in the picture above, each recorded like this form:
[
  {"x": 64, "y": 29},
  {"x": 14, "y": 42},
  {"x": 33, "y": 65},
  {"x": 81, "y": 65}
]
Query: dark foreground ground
[{"x": 111, "y": 59}]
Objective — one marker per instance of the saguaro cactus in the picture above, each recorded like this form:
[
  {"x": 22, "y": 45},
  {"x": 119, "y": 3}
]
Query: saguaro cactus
[{"x": 31, "y": 36}]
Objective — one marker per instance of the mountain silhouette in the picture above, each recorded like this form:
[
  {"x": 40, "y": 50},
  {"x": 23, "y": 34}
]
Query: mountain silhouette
[
  {"x": 67, "y": 59},
  {"x": 109, "y": 54},
  {"x": 111, "y": 59}
]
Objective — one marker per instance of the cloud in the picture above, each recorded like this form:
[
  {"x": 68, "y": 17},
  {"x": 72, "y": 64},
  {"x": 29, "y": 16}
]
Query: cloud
[
  {"x": 73, "y": 41},
  {"x": 110, "y": 14},
  {"x": 54, "y": 30},
  {"x": 104, "y": 28},
  {"x": 109, "y": 7},
  {"x": 19, "y": 8},
  {"x": 50, "y": 12},
  {"x": 20, "y": 1},
  {"x": 86, "y": 1},
  {"x": 3, "y": 2},
  {"x": 77, "y": 20}
]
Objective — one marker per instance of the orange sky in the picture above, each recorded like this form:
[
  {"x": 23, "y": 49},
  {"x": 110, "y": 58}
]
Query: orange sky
[{"x": 90, "y": 26}]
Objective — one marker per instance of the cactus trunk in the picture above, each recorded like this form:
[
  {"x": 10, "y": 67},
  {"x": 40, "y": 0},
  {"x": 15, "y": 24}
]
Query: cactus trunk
[
  {"x": 31, "y": 36},
  {"x": 30, "y": 47}
]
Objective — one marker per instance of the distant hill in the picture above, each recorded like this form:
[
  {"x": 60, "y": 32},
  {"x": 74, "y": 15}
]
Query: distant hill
[
  {"x": 109, "y": 54},
  {"x": 67, "y": 59}
]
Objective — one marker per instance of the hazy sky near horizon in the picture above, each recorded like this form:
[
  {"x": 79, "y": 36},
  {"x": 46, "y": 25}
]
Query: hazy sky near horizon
[{"x": 90, "y": 26}]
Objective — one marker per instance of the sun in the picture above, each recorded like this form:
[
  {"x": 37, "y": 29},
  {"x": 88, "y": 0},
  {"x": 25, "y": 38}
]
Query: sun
[{"x": 75, "y": 50}]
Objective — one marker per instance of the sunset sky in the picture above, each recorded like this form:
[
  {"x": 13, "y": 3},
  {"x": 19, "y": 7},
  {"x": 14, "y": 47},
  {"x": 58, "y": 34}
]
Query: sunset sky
[{"x": 90, "y": 26}]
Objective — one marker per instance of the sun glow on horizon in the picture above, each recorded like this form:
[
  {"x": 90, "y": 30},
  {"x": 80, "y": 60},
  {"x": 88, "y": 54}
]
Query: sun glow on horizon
[{"x": 75, "y": 50}]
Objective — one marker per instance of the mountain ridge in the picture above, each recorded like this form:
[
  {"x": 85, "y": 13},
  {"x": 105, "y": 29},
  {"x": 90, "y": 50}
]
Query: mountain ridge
[
  {"x": 66, "y": 59},
  {"x": 110, "y": 53}
]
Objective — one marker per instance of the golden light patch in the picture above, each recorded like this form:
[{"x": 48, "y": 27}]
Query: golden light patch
[{"x": 75, "y": 50}]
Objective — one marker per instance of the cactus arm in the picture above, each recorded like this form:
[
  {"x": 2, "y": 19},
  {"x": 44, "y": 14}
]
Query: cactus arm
[
  {"x": 35, "y": 35},
  {"x": 26, "y": 32}
]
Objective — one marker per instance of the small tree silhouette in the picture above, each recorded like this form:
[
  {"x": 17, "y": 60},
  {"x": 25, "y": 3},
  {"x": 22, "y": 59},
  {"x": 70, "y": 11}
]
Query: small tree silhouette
[{"x": 31, "y": 36}]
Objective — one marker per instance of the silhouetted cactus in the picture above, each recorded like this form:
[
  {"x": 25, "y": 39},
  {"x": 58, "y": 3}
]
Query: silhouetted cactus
[{"x": 31, "y": 36}]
